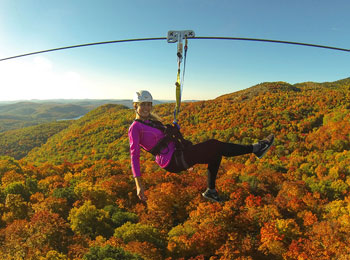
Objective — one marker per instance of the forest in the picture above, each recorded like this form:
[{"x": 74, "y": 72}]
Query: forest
[{"x": 72, "y": 196}]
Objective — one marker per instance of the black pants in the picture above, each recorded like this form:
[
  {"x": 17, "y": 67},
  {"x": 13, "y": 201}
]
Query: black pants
[{"x": 209, "y": 152}]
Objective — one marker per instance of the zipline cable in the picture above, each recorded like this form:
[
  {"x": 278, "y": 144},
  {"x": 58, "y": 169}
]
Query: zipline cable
[
  {"x": 273, "y": 41},
  {"x": 164, "y": 38},
  {"x": 83, "y": 45}
]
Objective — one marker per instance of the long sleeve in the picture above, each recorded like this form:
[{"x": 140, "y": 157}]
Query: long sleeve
[
  {"x": 134, "y": 139},
  {"x": 146, "y": 137}
]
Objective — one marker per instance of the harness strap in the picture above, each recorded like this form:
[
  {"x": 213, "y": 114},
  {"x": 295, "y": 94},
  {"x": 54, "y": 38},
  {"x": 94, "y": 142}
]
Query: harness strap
[
  {"x": 185, "y": 56},
  {"x": 172, "y": 134},
  {"x": 153, "y": 123},
  {"x": 162, "y": 143},
  {"x": 179, "y": 83}
]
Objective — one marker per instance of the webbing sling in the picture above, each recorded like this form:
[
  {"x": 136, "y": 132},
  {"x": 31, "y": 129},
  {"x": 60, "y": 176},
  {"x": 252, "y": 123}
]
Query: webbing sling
[
  {"x": 179, "y": 36},
  {"x": 171, "y": 133},
  {"x": 162, "y": 143},
  {"x": 179, "y": 83}
]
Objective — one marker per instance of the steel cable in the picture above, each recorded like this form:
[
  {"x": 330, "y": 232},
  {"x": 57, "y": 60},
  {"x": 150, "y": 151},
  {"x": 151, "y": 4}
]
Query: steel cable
[{"x": 164, "y": 38}]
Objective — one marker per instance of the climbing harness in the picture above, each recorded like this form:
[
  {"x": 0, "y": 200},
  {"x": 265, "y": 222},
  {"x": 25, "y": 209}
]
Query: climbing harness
[
  {"x": 171, "y": 134},
  {"x": 179, "y": 36}
]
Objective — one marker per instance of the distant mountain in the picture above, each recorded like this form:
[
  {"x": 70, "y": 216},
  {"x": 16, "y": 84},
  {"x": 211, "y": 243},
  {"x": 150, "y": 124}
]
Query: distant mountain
[
  {"x": 81, "y": 102},
  {"x": 26, "y": 113},
  {"x": 246, "y": 115},
  {"x": 22, "y": 114},
  {"x": 101, "y": 133},
  {"x": 17, "y": 143},
  {"x": 274, "y": 87},
  {"x": 260, "y": 89},
  {"x": 45, "y": 111},
  {"x": 119, "y": 116}
]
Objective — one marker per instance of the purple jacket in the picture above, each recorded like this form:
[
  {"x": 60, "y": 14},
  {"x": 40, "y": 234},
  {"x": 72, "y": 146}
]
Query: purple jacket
[{"x": 141, "y": 135}]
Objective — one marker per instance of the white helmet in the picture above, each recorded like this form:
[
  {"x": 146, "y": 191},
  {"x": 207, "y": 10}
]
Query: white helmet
[{"x": 142, "y": 96}]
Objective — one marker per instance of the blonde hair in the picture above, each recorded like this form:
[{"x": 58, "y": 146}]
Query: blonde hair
[{"x": 153, "y": 116}]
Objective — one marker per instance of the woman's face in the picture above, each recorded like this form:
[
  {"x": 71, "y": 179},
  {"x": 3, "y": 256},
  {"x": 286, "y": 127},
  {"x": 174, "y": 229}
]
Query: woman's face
[{"x": 144, "y": 109}]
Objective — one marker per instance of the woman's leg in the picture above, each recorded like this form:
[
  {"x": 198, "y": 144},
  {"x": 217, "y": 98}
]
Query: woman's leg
[
  {"x": 210, "y": 152},
  {"x": 212, "y": 172}
]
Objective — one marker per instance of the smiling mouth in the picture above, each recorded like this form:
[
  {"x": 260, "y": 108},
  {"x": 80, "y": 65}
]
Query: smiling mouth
[{"x": 145, "y": 113}]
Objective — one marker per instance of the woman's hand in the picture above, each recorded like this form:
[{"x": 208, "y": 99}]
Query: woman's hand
[
  {"x": 141, "y": 193},
  {"x": 139, "y": 189}
]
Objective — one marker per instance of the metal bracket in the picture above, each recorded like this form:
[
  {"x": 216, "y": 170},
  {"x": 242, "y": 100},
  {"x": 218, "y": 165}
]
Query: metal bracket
[{"x": 178, "y": 36}]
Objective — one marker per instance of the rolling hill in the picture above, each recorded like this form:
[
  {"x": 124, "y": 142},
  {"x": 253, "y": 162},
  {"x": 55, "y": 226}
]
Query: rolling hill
[
  {"x": 15, "y": 115},
  {"x": 243, "y": 116},
  {"x": 19, "y": 142}
]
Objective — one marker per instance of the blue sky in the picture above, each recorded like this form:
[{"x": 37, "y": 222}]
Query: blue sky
[{"x": 213, "y": 67}]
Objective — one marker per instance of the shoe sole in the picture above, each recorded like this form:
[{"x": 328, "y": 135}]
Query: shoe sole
[
  {"x": 211, "y": 199},
  {"x": 261, "y": 156}
]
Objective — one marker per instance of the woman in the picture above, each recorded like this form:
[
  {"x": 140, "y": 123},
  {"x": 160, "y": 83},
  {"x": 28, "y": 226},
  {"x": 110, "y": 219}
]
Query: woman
[{"x": 172, "y": 155}]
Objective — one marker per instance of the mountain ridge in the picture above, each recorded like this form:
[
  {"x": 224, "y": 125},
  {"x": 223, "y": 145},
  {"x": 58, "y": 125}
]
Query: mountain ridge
[
  {"x": 192, "y": 116},
  {"x": 109, "y": 123},
  {"x": 27, "y": 113}
]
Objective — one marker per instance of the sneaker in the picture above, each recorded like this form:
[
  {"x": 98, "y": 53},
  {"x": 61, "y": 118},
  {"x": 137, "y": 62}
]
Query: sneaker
[
  {"x": 211, "y": 195},
  {"x": 265, "y": 146}
]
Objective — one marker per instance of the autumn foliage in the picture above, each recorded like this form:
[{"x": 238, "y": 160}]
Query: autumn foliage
[{"x": 74, "y": 197}]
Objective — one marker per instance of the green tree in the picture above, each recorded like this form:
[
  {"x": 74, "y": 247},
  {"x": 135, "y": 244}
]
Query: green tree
[
  {"x": 54, "y": 255},
  {"x": 140, "y": 232},
  {"x": 88, "y": 220},
  {"x": 65, "y": 193},
  {"x": 119, "y": 217},
  {"x": 17, "y": 188},
  {"x": 15, "y": 207},
  {"x": 109, "y": 253}
]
